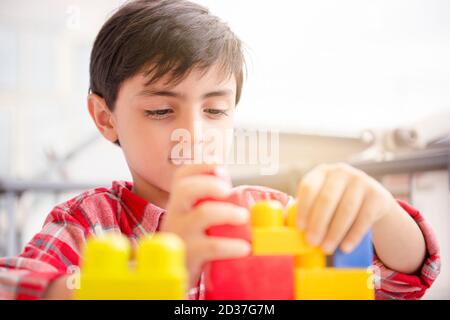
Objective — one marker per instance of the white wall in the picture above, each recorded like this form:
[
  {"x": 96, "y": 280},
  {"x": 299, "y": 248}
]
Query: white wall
[{"x": 342, "y": 66}]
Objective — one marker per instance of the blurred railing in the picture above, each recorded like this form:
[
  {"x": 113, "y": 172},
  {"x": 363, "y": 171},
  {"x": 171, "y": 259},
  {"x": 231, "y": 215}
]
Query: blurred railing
[
  {"x": 11, "y": 192},
  {"x": 408, "y": 163}
]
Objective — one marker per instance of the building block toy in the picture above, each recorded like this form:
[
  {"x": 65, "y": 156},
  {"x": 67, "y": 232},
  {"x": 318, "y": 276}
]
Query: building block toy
[
  {"x": 282, "y": 265},
  {"x": 333, "y": 284},
  {"x": 360, "y": 257},
  {"x": 274, "y": 235},
  {"x": 231, "y": 231},
  {"x": 314, "y": 259},
  {"x": 270, "y": 234},
  {"x": 159, "y": 272},
  {"x": 240, "y": 279},
  {"x": 250, "y": 278}
]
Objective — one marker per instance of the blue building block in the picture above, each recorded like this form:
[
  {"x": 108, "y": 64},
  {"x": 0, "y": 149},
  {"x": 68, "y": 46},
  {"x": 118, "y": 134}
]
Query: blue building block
[{"x": 360, "y": 257}]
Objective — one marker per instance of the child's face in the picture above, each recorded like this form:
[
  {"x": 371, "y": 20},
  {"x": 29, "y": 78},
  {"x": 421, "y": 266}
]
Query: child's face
[{"x": 146, "y": 117}]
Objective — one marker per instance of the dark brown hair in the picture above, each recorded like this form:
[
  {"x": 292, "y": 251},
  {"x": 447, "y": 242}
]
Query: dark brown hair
[{"x": 159, "y": 37}]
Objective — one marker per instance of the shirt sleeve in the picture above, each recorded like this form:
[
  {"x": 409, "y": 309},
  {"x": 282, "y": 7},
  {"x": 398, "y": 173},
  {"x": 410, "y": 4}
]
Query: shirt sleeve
[
  {"x": 46, "y": 257},
  {"x": 391, "y": 284}
]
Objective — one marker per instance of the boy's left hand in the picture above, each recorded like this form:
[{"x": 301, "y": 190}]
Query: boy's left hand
[{"x": 338, "y": 204}]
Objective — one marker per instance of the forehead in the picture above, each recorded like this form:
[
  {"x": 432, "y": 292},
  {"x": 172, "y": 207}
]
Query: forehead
[{"x": 194, "y": 81}]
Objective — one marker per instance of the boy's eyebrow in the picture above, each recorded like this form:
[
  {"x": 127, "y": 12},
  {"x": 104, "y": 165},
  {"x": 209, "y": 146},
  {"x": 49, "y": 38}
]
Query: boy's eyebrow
[
  {"x": 218, "y": 93},
  {"x": 168, "y": 93}
]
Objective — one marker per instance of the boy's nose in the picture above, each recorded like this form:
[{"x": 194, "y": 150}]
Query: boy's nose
[
  {"x": 194, "y": 140},
  {"x": 195, "y": 127}
]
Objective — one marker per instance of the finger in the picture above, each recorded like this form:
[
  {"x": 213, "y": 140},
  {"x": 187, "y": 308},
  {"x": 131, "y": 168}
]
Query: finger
[
  {"x": 369, "y": 209},
  {"x": 325, "y": 205},
  {"x": 307, "y": 191},
  {"x": 345, "y": 215},
  {"x": 190, "y": 189},
  {"x": 217, "y": 248},
  {"x": 218, "y": 213}
]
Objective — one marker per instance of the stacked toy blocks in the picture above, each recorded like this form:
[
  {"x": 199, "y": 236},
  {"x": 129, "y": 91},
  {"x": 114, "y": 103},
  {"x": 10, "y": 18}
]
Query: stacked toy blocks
[
  {"x": 282, "y": 264},
  {"x": 159, "y": 271}
]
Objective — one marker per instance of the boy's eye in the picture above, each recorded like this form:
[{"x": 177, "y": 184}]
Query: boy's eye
[
  {"x": 216, "y": 112},
  {"x": 158, "y": 114}
]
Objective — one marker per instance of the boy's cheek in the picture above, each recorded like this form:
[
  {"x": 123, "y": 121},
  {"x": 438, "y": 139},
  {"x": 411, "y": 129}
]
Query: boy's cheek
[{"x": 145, "y": 157}]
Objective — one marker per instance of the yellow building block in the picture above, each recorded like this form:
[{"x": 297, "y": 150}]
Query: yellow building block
[
  {"x": 271, "y": 235},
  {"x": 316, "y": 258},
  {"x": 278, "y": 241},
  {"x": 333, "y": 284},
  {"x": 106, "y": 271},
  {"x": 291, "y": 216},
  {"x": 265, "y": 214}
]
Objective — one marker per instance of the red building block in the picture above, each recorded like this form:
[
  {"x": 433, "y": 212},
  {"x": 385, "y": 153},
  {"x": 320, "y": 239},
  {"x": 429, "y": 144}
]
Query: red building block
[
  {"x": 250, "y": 278},
  {"x": 231, "y": 231}
]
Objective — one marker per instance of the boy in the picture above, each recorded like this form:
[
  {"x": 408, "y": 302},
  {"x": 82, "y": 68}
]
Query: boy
[{"x": 162, "y": 65}]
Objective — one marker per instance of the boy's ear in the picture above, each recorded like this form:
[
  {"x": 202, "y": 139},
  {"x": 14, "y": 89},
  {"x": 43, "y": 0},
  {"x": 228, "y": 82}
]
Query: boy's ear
[{"x": 102, "y": 116}]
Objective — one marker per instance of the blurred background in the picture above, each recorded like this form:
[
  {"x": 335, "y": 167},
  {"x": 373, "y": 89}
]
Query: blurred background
[{"x": 362, "y": 81}]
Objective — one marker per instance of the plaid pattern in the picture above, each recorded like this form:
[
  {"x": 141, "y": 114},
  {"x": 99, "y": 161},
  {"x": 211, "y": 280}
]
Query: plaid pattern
[{"x": 56, "y": 248}]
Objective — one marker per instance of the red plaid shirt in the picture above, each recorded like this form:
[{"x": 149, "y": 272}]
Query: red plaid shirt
[{"x": 57, "y": 247}]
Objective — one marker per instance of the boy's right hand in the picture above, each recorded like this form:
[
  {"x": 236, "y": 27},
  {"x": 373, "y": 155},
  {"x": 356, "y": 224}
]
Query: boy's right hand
[{"x": 189, "y": 221}]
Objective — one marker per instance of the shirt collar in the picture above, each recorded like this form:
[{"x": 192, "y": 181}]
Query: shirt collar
[{"x": 146, "y": 214}]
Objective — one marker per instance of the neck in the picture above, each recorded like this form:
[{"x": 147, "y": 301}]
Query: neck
[{"x": 149, "y": 192}]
